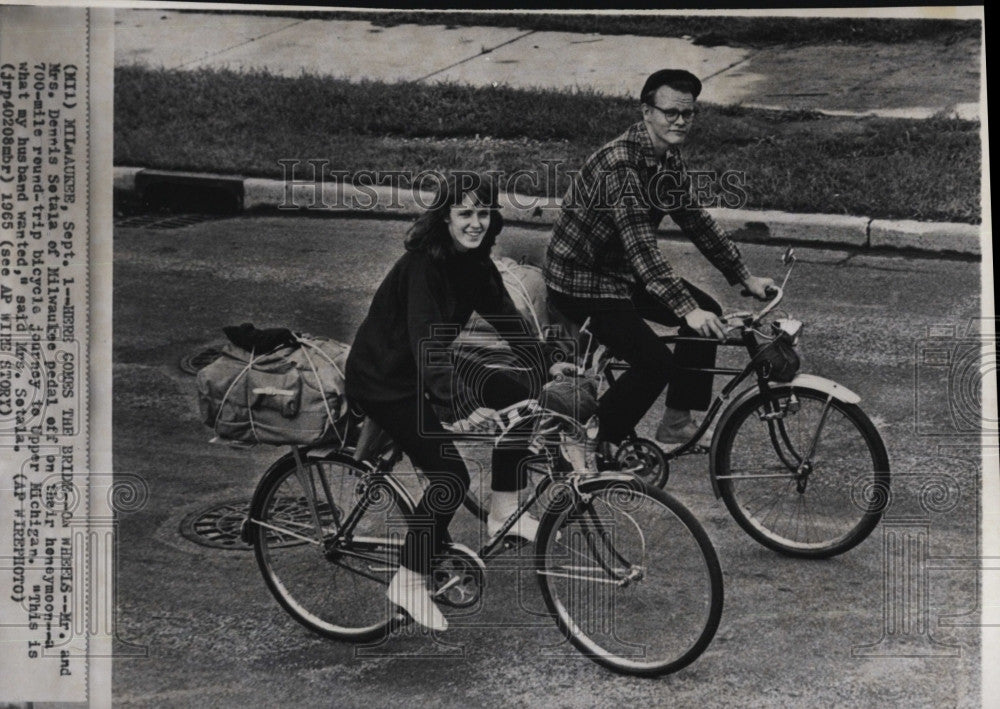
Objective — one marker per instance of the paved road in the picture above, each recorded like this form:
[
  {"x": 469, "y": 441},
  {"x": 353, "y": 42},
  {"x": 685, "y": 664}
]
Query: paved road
[{"x": 214, "y": 637}]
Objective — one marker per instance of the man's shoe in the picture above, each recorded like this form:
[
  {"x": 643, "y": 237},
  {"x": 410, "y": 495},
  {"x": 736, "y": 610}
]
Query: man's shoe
[
  {"x": 408, "y": 590},
  {"x": 676, "y": 429}
]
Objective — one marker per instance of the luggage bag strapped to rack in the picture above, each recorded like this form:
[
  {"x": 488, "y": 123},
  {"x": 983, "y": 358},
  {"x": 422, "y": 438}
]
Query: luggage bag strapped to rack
[{"x": 281, "y": 388}]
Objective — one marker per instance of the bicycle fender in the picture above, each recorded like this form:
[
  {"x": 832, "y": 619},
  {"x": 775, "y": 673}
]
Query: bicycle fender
[
  {"x": 604, "y": 477},
  {"x": 827, "y": 386},
  {"x": 801, "y": 381},
  {"x": 584, "y": 483}
]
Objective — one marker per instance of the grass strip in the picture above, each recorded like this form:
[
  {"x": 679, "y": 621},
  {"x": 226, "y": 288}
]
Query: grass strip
[{"x": 243, "y": 123}]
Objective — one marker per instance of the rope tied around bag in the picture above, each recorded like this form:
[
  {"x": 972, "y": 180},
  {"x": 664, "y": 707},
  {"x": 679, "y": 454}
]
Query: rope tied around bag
[
  {"x": 319, "y": 382},
  {"x": 225, "y": 398},
  {"x": 522, "y": 290}
]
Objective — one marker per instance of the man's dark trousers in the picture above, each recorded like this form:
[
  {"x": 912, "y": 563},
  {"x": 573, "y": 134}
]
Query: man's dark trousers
[{"x": 619, "y": 325}]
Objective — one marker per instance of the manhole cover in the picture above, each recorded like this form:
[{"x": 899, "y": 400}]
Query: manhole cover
[
  {"x": 218, "y": 526},
  {"x": 200, "y": 358}
]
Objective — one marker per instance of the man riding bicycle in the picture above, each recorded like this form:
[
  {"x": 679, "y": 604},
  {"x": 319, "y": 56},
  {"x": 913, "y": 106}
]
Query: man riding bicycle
[{"x": 603, "y": 262}]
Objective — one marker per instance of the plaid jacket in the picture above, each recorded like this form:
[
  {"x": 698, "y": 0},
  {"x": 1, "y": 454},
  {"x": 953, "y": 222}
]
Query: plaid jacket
[{"x": 604, "y": 242}]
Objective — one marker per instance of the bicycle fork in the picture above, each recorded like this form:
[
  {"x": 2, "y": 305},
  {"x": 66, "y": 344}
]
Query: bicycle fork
[
  {"x": 801, "y": 465},
  {"x": 612, "y": 567}
]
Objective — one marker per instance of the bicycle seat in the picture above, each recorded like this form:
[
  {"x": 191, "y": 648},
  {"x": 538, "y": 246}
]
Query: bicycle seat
[{"x": 371, "y": 441}]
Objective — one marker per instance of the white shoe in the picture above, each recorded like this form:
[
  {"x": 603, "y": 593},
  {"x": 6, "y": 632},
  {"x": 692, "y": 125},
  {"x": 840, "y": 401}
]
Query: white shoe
[
  {"x": 503, "y": 505},
  {"x": 526, "y": 526},
  {"x": 408, "y": 590}
]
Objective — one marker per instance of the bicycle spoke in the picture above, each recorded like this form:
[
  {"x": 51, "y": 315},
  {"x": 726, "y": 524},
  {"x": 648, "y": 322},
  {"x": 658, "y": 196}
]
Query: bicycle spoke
[
  {"x": 335, "y": 584},
  {"x": 635, "y": 607},
  {"x": 807, "y": 505}
]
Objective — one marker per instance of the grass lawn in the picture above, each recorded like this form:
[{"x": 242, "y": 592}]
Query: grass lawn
[{"x": 238, "y": 123}]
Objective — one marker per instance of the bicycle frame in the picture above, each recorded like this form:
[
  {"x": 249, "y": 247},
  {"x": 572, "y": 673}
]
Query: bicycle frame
[
  {"x": 590, "y": 538},
  {"x": 374, "y": 549},
  {"x": 722, "y": 398},
  {"x": 620, "y": 574},
  {"x": 377, "y": 455}
]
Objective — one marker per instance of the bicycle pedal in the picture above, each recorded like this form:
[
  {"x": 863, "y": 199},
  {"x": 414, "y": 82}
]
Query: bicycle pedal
[{"x": 696, "y": 450}]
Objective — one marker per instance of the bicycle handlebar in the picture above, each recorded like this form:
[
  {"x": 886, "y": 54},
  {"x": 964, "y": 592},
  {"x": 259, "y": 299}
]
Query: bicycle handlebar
[
  {"x": 779, "y": 294},
  {"x": 749, "y": 319}
]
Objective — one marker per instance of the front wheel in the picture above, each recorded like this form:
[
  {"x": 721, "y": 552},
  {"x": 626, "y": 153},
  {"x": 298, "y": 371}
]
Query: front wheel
[
  {"x": 331, "y": 578},
  {"x": 801, "y": 472},
  {"x": 629, "y": 575}
]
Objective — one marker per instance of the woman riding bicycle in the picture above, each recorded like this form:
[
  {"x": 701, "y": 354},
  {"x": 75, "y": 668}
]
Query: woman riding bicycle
[{"x": 393, "y": 376}]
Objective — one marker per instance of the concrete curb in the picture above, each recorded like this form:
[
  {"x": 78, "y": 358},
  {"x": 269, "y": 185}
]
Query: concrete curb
[
  {"x": 769, "y": 225},
  {"x": 234, "y": 194},
  {"x": 946, "y": 237}
]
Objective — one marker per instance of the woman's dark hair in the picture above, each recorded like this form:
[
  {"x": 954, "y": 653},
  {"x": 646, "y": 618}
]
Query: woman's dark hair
[{"x": 430, "y": 232}]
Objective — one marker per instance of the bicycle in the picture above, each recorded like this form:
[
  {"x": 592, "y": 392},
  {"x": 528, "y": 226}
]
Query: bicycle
[
  {"x": 628, "y": 573},
  {"x": 829, "y": 485}
]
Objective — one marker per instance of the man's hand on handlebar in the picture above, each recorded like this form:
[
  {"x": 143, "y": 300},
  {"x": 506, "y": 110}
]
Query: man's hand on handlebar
[
  {"x": 759, "y": 287},
  {"x": 706, "y": 323}
]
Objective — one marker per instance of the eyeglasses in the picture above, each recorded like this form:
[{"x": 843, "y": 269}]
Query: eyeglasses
[{"x": 672, "y": 114}]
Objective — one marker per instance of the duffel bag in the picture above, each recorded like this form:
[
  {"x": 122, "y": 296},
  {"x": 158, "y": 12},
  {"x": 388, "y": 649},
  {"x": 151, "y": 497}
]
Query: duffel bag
[
  {"x": 526, "y": 287},
  {"x": 293, "y": 395}
]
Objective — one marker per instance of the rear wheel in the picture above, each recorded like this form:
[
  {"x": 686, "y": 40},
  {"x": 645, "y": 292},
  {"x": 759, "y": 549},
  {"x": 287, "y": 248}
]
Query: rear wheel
[
  {"x": 332, "y": 582},
  {"x": 630, "y": 576},
  {"x": 802, "y": 473}
]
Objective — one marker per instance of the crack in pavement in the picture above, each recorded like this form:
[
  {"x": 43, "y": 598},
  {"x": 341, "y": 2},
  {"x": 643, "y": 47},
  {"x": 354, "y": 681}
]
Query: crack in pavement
[
  {"x": 470, "y": 58},
  {"x": 241, "y": 44},
  {"x": 723, "y": 70}
]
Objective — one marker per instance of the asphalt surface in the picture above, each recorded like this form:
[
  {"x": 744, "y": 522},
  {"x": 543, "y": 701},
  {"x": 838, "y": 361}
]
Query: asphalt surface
[{"x": 204, "y": 631}]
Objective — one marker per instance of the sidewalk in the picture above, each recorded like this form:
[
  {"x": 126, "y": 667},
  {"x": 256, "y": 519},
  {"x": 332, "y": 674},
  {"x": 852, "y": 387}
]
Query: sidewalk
[
  {"x": 914, "y": 80},
  {"x": 877, "y": 79}
]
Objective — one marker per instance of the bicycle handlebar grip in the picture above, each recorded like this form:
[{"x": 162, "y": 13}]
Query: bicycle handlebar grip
[{"x": 770, "y": 291}]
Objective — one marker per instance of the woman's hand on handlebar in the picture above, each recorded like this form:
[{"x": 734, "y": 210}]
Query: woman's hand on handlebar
[
  {"x": 759, "y": 287},
  {"x": 482, "y": 419},
  {"x": 561, "y": 370}
]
